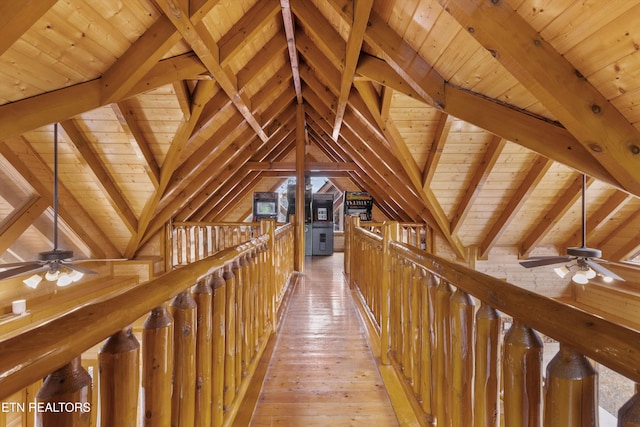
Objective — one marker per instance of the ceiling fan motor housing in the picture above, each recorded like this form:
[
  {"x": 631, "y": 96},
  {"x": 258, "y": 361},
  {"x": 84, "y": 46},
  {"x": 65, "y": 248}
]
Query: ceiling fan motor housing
[
  {"x": 55, "y": 255},
  {"x": 584, "y": 252}
]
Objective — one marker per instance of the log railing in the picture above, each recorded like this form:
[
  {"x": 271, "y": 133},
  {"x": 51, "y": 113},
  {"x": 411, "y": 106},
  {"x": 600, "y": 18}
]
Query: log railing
[
  {"x": 440, "y": 327},
  {"x": 192, "y": 241},
  {"x": 205, "y": 327}
]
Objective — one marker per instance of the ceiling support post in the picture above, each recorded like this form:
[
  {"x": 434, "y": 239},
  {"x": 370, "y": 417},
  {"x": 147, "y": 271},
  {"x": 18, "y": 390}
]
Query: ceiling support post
[{"x": 300, "y": 190}]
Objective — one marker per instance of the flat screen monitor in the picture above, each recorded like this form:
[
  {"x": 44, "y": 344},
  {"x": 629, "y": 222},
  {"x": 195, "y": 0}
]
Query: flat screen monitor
[{"x": 265, "y": 208}]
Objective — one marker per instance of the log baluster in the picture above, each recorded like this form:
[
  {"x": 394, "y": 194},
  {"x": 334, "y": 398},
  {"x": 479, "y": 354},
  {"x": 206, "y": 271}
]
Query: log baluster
[
  {"x": 462, "y": 310},
  {"x": 184, "y": 377},
  {"x": 119, "y": 360},
  {"x": 428, "y": 282},
  {"x": 230, "y": 338},
  {"x": 157, "y": 367},
  {"x": 571, "y": 390},
  {"x": 487, "y": 367},
  {"x": 443, "y": 353},
  {"x": 416, "y": 323},
  {"x": 218, "y": 371},
  {"x": 69, "y": 385},
  {"x": 202, "y": 294},
  {"x": 522, "y": 368}
]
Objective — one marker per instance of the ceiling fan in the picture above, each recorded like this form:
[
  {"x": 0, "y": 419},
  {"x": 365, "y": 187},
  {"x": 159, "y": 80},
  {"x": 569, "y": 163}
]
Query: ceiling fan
[
  {"x": 582, "y": 263},
  {"x": 54, "y": 265}
]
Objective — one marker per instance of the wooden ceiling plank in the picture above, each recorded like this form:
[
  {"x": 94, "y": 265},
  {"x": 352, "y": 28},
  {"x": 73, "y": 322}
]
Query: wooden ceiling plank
[
  {"x": 262, "y": 59},
  {"x": 408, "y": 163},
  {"x": 516, "y": 201},
  {"x": 139, "y": 143},
  {"x": 553, "y": 215},
  {"x": 435, "y": 151},
  {"x": 596, "y": 220},
  {"x": 15, "y": 224},
  {"x": 203, "y": 44},
  {"x": 26, "y": 161},
  {"x": 354, "y": 45},
  {"x": 243, "y": 31},
  {"x": 316, "y": 58},
  {"x": 22, "y": 116},
  {"x": 104, "y": 179},
  {"x": 631, "y": 248},
  {"x": 494, "y": 149},
  {"x": 230, "y": 197},
  {"x": 282, "y": 77},
  {"x": 16, "y": 17},
  {"x": 578, "y": 105}
]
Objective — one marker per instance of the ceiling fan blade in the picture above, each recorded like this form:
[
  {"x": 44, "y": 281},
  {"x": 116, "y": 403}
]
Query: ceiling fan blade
[
  {"x": 80, "y": 269},
  {"x": 17, "y": 271},
  {"x": 539, "y": 262},
  {"x": 603, "y": 270}
]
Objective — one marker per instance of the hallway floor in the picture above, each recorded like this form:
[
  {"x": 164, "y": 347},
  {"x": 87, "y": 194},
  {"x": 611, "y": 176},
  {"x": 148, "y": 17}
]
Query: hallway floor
[{"x": 322, "y": 372}]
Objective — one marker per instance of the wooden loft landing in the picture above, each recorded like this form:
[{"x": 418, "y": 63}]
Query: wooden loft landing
[{"x": 322, "y": 371}]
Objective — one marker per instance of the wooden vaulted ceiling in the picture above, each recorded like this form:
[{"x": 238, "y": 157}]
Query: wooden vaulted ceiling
[{"x": 475, "y": 116}]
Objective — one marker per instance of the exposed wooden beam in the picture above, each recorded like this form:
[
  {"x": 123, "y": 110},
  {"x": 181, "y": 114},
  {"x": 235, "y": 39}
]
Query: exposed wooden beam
[
  {"x": 540, "y": 167},
  {"x": 22, "y": 116},
  {"x": 16, "y": 17},
  {"x": 309, "y": 166},
  {"x": 138, "y": 60},
  {"x": 16, "y": 223},
  {"x": 435, "y": 151},
  {"x": 128, "y": 120},
  {"x": 203, "y": 44},
  {"x": 104, "y": 179},
  {"x": 632, "y": 247},
  {"x": 289, "y": 29},
  {"x": 272, "y": 51},
  {"x": 183, "y": 95},
  {"x": 553, "y": 215},
  {"x": 615, "y": 253},
  {"x": 376, "y": 69},
  {"x": 354, "y": 45},
  {"x": 601, "y": 129},
  {"x": 494, "y": 149},
  {"x": 298, "y": 258}
]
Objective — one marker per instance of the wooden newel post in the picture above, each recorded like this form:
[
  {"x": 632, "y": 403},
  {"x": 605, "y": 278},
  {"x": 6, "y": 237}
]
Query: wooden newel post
[
  {"x": 522, "y": 368},
  {"x": 230, "y": 338},
  {"x": 218, "y": 358},
  {"x": 157, "y": 367},
  {"x": 203, "y": 294},
  {"x": 64, "y": 398},
  {"x": 487, "y": 368},
  {"x": 184, "y": 372},
  {"x": 571, "y": 391},
  {"x": 629, "y": 413},
  {"x": 462, "y": 309},
  {"x": 119, "y": 361}
]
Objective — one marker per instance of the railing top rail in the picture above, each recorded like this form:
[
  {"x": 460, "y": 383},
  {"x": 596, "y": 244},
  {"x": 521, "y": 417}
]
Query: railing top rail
[
  {"x": 36, "y": 353},
  {"x": 282, "y": 230},
  {"x": 216, "y": 224},
  {"x": 605, "y": 342}
]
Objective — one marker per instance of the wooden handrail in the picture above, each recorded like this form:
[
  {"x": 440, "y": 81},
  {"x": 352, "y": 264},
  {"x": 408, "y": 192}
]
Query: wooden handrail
[{"x": 34, "y": 354}]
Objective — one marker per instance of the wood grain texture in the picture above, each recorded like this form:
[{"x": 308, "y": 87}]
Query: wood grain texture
[{"x": 322, "y": 371}]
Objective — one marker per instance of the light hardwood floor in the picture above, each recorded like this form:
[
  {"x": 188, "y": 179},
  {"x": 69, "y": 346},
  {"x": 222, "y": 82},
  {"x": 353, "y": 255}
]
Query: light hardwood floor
[{"x": 322, "y": 372}]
